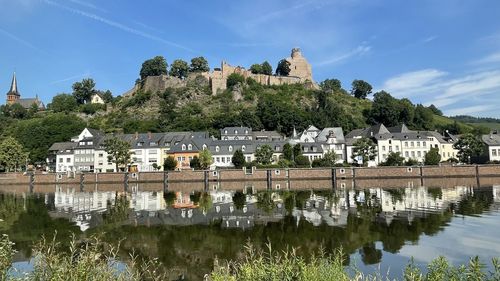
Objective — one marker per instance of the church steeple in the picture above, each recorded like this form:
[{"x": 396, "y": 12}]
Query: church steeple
[{"x": 13, "y": 95}]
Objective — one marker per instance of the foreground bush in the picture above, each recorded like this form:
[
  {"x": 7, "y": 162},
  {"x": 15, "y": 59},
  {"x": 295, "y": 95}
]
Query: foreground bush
[{"x": 93, "y": 260}]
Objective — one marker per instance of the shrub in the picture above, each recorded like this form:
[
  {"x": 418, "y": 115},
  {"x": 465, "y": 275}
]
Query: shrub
[{"x": 234, "y": 79}]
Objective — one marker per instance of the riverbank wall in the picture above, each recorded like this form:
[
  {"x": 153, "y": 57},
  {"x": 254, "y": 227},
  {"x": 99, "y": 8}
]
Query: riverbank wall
[{"x": 264, "y": 179}]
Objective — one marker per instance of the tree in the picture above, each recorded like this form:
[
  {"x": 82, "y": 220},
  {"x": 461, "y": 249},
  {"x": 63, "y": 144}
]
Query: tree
[
  {"x": 329, "y": 159},
  {"x": 433, "y": 157},
  {"x": 107, "y": 96},
  {"x": 238, "y": 159},
  {"x": 331, "y": 85},
  {"x": 266, "y": 68},
  {"x": 118, "y": 151},
  {"x": 179, "y": 69},
  {"x": 283, "y": 68},
  {"x": 205, "y": 159},
  {"x": 365, "y": 150},
  {"x": 264, "y": 154},
  {"x": 302, "y": 161},
  {"x": 153, "y": 67},
  {"x": 297, "y": 150},
  {"x": 195, "y": 163},
  {"x": 12, "y": 154},
  {"x": 468, "y": 146},
  {"x": 63, "y": 103},
  {"x": 394, "y": 159},
  {"x": 233, "y": 79},
  {"x": 169, "y": 164},
  {"x": 199, "y": 64},
  {"x": 423, "y": 118},
  {"x": 256, "y": 68},
  {"x": 435, "y": 110},
  {"x": 15, "y": 111},
  {"x": 361, "y": 89},
  {"x": 385, "y": 110},
  {"x": 288, "y": 151},
  {"x": 83, "y": 91}
]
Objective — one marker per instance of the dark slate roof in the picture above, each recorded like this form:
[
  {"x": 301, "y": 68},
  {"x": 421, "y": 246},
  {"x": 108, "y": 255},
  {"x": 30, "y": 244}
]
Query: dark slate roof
[
  {"x": 233, "y": 131},
  {"x": 378, "y": 131},
  {"x": 235, "y": 144},
  {"x": 62, "y": 146},
  {"x": 399, "y": 129},
  {"x": 337, "y": 131},
  {"x": 269, "y": 135},
  {"x": 491, "y": 139},
  {"x": 28, "y": 103}
]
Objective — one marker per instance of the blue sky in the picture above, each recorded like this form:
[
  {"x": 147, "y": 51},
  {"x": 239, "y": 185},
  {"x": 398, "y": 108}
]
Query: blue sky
[{"x": 444, "y": 52}]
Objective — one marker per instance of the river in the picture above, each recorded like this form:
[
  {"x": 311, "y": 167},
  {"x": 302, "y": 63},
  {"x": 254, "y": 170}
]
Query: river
[{"x": 379, "y": 229}]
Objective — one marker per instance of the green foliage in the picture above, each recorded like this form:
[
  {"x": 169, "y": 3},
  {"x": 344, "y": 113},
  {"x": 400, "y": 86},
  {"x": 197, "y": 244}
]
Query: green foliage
[
  {"x": 38, "y": 134},
  {"x": 435, "y": 110},
  {"x": 107, "y": 96},
  {"x": 264, "y": 154},
  {"x": 12, "y": 154},
  {"x": 83, "y": 91},
  {"x": 331, "y": 85},
  {"x": 365, "y": 150},
  {"x": 302, "y": 161},
  {"x": 264, "y": 68},
  {"x": 15, "y": 111},
  {"x": 63, "y": 103},
  {"x": 239, "y": 200},
  {"x": 92, "y": 108},
  {"x": 118, "y": 152},
  {"x": 195, "y": 163},
  {"x": 153, "y": 67},
  {"x": 205, "y": 159},
  {"x": 256, "y": 68},
  {"x": 139, "y": 98},
  {"x": 199, "y": 64},
  {"x": 411, "y": 162},
  {"x": 329, "y": 159},
  {"x": 288, "y": 152},
  {"x": 433, "y": 157},
  {"x": 468, "y": 146},
  {"x": 6, "y": 256},
  {"x": 283, "y": 68},
  {"x": 179, "y": 69},
  {"x": 279, "y": 113},
  {"x": 238, "y": 159},
  {"x": 233, "y": 79},
  {"x": 170, "y": 164},
  {"x": 361, "y": 89},
  {"x": 394, "y": 159}
]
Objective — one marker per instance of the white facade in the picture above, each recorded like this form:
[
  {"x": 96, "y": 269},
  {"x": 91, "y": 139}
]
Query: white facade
[
  {"x": 144, "y": 159},
  {"x": 65, "y": 162},
  {"x": 97, "y": 99}
]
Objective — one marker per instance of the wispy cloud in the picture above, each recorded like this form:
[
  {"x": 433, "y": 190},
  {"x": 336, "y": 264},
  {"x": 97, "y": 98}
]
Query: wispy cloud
[
  {"x": 356, "y": 52},
  {"x": 280, "y": 13},
  {"x": 429, "y": 39},
  {"x": 118, "y": 25},
  {"x": 87, "y": 5},
  {"x": 21, "y": 41},
  {"x": 431, "y": 86},
  {"x": 71, "y": 78},
  {"x": 492, "y": 58}
]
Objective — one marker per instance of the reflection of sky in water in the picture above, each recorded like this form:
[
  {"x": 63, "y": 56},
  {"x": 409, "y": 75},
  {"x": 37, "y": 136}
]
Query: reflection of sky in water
[{"x": 464, "y": 237}]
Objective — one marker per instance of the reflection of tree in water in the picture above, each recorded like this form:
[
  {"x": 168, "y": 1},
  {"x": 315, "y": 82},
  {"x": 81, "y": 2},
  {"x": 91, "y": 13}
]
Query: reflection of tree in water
[
  {"x": 205, "y": 203},
  {"x": 169, "y": 197},
  {"x": 476, "y": 203},
  {"x": 11, "y": 207},
  {"x": 118, "y": 212},
  {"x": 370, "y": 254},
  {"x": 265, "y": 201},
  {"x": 239, "y": 200},
  {"x": 195, "y": 197},
  {"x": 435, "y": 192},
  {"x": 397, "y": 194}
]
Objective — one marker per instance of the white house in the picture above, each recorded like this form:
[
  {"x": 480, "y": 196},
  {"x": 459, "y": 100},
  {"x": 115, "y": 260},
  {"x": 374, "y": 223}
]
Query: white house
[
  {"x": 97, "y": 99},
  {"x": 492, "y": 142}
]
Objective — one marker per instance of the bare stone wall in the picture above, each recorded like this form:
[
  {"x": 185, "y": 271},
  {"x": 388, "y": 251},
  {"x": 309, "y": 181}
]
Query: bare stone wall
[
  {"x": 448, "y": 171},
  {"x": 388, "y": 172},
  {"x": 186, "y": 176},
  {"x": 310, "y": 173},
  {"x": 14, "y": 178},
  {"x": 489, "y": 170}
]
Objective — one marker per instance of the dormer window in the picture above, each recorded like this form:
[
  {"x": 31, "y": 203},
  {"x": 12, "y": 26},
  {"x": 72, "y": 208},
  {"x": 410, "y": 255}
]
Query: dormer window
[
  {"x": 140, "y": 143},
  {"x": 190, "y": 147},
  {"x": 225, "y": 132},
  {"x": 230, "y": 148},
  {"x": 81, "y": 143},
  {"x": 277, "y": 148},
  {"x": 217, "y": 148},
  {"x": 243, "y": 148},
  {"x": 204, "y": 146},
  {"x": 235, "y": 132},
  {"x": 90, "y": 143},
  {"x": 153, "y": 143},
  {"x": 183, "y": 147},
  {"x": 246, "y": 132}
]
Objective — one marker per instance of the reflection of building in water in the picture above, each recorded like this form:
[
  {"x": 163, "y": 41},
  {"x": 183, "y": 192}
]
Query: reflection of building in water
[
  {"x": 148, "y": 201},
  {"x": 496, "y": 193}
]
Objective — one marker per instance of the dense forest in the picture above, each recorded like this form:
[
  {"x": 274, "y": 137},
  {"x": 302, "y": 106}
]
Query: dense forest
[{"x": 193, "y": 108}]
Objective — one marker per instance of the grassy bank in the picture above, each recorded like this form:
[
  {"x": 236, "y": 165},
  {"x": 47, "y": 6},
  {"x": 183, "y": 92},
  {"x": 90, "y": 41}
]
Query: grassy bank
[{"x": 94, "y": 260}]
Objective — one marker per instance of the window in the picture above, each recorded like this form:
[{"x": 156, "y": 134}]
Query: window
[
  {"x": 412, "y": 144},
  {"x": 390, "y": 148},
  {"x": 217, "y": 159},
  {"x": 246, "y": 132},
  {"x": 190, "y": 147},
  {"x": 183, "y": 147},
  {"x": 413, "y": 154},
  {"x": 407, "y": 154},
  {"x": 418, "y": 144},
  {"x": 223, "y": 159},
  {"x": 68, "y": 160},
  {"x": 153, "y": 143},
  {"x": 204, "y": 146},
  {"x": 61, "y": 160},
  {"x": 277, "y": 148},
  {"x": 90, "y": 143},
  {"x": 140, "y": 143},
  {"x": 217, "y": 148},
  {"x": 101, "y": 155},
  {"x": 419, "y": 154},
  {"x": 243, "y": 148},
  {"x": 179, "y": 159},
  {"x": 424, "y": 144},
  {"x": 225, "y": 132},
  {"x": 153, "y": 151},
  {"x": 152, "y": 160},
  {"x": 191, "y": 158},
  {"x": 138, "y": 152},
  {"x": 383, "y": 147},
  {"x": 81, "y": 143},
  {"x": 494, "y": 152},
  {"x": 235, "y": 132},
  {"x": 230, "y": 148},
  {"x": 406, "y": 144},
  {"x": 183, "y": 158},
  {"x": 397, "y": 147}
]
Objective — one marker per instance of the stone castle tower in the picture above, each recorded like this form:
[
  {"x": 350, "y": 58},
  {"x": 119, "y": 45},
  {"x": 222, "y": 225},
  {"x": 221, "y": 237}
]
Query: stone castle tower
[
  {"x": 13, "y": 95},
  {"x": 299, "y": 67}
]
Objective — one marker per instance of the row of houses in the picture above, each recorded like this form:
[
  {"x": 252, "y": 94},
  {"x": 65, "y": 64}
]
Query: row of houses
[{"x": 86, "y": 152}]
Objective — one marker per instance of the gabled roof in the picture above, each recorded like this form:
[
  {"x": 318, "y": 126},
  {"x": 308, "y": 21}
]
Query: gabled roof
[
  {"x": 399, "y": 129},
  {"x": 378, "y": 131},
  {"x": 312, "y": 128},
  {"x": 62, "y": 146},
  {"x": 337, "y": 132},
  {"x": 491, "y": 139}
]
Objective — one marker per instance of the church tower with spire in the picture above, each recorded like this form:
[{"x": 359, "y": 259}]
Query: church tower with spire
[{"x": 13, "y": 95}]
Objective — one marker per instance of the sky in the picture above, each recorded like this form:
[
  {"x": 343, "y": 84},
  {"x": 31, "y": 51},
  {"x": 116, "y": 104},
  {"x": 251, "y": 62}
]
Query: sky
[{"x": 445, "y": 52}]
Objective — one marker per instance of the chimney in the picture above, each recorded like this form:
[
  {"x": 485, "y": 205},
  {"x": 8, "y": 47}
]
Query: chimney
[
  {"x": 149, "y": 135},
  {"x": 136, "y": 135}
]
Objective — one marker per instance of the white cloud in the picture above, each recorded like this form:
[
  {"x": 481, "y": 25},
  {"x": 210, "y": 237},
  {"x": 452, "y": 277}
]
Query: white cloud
[
  {"x": 358, "y": 51},
  {"x": 411, "y": 83},
  {"x": 87, "y": 5},
  {"x": 119, "y": 26},
  {"x": 492, "y": 58},
  {"x": 469, "y": 110}
]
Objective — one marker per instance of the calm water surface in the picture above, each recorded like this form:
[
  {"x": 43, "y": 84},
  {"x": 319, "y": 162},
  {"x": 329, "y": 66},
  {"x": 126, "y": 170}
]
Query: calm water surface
[{"x": 378, "y": 228}]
